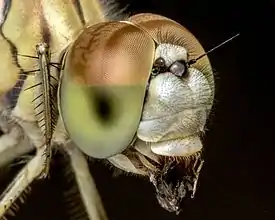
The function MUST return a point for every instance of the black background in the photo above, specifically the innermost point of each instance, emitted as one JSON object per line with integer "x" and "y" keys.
{"x": 237, "y": 181}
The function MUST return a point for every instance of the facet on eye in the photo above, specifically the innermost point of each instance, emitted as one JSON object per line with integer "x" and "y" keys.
{"x": 110, "y": 47}
{"x": 103, "y": 86}
{"x": 166, "y": 31}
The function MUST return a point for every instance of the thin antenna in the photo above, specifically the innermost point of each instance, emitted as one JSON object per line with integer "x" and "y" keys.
{"x": 211, "y": 50}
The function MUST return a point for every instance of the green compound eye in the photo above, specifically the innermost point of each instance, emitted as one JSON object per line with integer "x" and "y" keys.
{"x": 103, "y": 85}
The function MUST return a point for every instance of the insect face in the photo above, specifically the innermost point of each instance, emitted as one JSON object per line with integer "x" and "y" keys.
{"x": 116, "y": 96}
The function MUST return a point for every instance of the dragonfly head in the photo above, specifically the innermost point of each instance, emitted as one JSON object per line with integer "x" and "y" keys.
{"x": 138, "y": 81}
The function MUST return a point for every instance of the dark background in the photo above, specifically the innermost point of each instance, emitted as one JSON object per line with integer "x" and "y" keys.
{"x": 237, "y": 181}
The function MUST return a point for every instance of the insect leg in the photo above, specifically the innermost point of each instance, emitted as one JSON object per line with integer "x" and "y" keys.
{"x": 36, "y": 168}
{"x": 198, "y": 163}
{"x": 36, "y": 137}
{"x": 86, "y": 184}
{"x": 24, "y": 178}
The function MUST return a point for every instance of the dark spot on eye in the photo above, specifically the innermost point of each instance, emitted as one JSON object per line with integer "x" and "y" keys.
{"x": 103, "y": 107}
{"x": 1, "y": 132}
{"x": 179, "y": 68}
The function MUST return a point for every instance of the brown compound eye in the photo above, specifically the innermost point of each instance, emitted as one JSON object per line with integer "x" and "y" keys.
{"x": 166, "y": 31}
{"x": 103, "y": 86}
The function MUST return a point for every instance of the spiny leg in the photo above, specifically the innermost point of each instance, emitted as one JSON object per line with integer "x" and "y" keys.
{"x": 38, "y": 125}
{"x": 86, "y": 184}
{"x": 199, "y": 164}
{"x": 36, "y": 107}
{"x": 37, "y": 167}
{"x": 24, "y": 178}
{"x": 36, "y": 137}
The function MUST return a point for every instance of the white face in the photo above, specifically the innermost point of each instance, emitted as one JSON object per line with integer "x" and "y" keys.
{"x": 176, "y": 107}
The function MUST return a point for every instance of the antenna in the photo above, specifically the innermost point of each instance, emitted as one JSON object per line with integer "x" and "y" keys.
{"x": 211, "y": 50}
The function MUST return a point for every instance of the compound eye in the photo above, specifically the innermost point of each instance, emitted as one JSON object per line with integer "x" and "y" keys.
{"x": 166, "y": 31}
{"x": 103, "y": 85}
